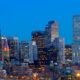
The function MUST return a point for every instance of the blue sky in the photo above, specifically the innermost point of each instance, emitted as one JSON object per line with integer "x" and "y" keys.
{"x": 21, "y": 17}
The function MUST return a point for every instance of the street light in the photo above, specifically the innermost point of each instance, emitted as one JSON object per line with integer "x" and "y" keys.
{"x": 35, "y": 76}
{"x": 23, "y": 77}
{"x": 11, "y": 76}
{"x": 78, "y": 75}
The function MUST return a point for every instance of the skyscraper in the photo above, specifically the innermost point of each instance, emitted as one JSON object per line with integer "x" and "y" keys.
{"x": 59, "y": 44}
{"x": 5, "y": 54}
{"x": 14, "y": 49}
{"x": 61, "y": 54}
{"x": 39, "y": 37}
{"x": 51, "y": 32}
{"x": 5, "y": 49}
{"x": 52, "y": 54}
{"x": 24, "y": 51}
{"x": 76, "y": 39}
{"x": 68, "y": 52}
{"x": 33, "y": 55}
{"x": 1, "y": 57}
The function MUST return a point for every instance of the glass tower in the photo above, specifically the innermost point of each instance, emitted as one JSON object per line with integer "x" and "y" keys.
{"x": 51, "y": 32}
{"x": 76, "y": 39}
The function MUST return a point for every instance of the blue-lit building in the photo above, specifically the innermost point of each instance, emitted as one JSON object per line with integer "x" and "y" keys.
{"x": 61, "y": 54}
{"x": 24, "y": 51}
{"x": 33, "y": 52}
{"x": 76, "y": 39}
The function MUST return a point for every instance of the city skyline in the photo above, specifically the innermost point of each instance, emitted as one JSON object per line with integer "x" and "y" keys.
{"x": 20, "y": 18}
{"x": 39, "y": 39}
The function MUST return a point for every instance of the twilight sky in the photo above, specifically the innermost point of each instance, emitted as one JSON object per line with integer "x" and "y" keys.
{"x": 21, "y": 17}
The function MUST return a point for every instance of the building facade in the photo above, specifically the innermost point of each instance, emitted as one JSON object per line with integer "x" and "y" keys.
{"x": 51, "y": 32}
{"x": 24, "y": 51}
{"x": 59, "y": 44}
{"x": 76, "y": 39}
{"x": 5, "y": 50}
{"x": 14, "y": 50}
{"x": 39, "y": 37}
{"x": 1, "y": 57}
{"x": 61, "y": 54}
{"x": 33, "y": 55}
{"x": 68, "y": 52}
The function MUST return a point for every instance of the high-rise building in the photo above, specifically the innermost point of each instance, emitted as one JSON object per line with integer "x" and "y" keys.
{"x": 38, "y": 36}
{"x": 51, "y": 32}
{"x": 33, "y": 55}
{"x": 1, "y": 57}
{"x": 24, "y": 51}
{"x": 52, "y": 54}
{"x": 59, "y": 44}
{"x": 5, "y": 54}
{"x": 14, "y": 49}
{"x": 5, "y": 50}
{"x": 76, "y": 39}
{"x": 61, "y": 54}
{"x": 68, "y": 52}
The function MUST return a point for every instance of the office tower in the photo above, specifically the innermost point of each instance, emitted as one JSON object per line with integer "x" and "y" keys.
{"x": 5, "y": 50}
{"x": 1, "y": 57}
{"x": 61, "y": 54}
{"x": 58, "y": 49}
{"x": 51, "y": 32}
{"x": 33, "y": 55}
{"x": 38, "y": 36}
{"x": 68, "y": 52}
{"x": 5, "y": 54}
{"x": 52, "y": 54}
{"x": 24, "y": 51}
{"x": 14, "y": 49}
{"x": 76, "y": 39}
{"x": 35, "y": 51}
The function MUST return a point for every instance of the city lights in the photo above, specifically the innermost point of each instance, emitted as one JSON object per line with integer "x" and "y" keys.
{"x": 78, "y": 74}
{"x": 46, "y": 56}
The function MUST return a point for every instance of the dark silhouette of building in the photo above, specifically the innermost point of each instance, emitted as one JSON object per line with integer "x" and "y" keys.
{"x": 39, "y": 37}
